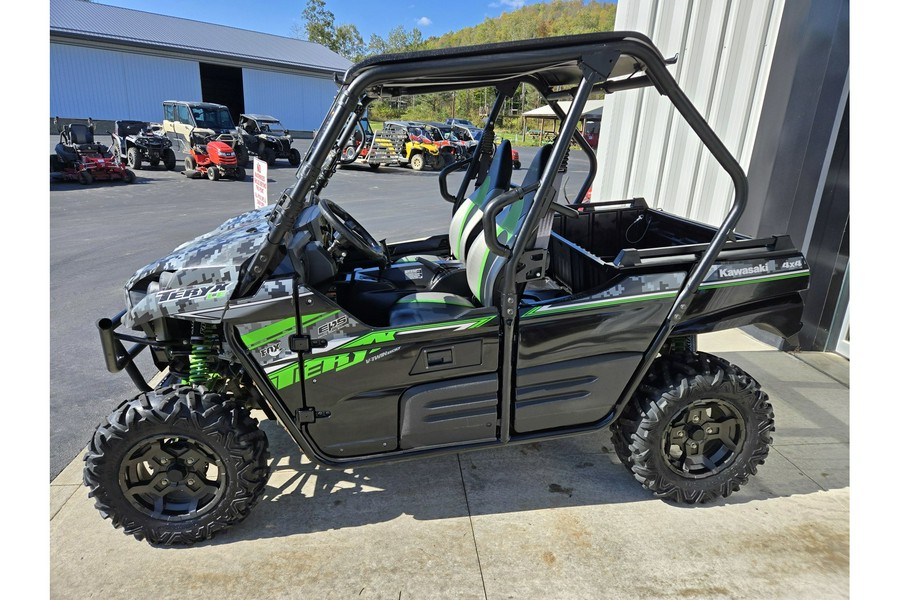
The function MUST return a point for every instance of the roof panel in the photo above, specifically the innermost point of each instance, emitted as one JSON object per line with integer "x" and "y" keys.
{"x": 91, "y": 21}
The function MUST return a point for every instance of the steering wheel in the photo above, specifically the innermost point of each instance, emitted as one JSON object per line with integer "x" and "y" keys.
{"x": 350, "y": 230}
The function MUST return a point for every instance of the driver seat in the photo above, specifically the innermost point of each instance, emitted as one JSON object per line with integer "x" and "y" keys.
{"x": 483, "y": 267}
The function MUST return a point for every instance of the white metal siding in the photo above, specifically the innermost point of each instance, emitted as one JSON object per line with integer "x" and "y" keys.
{"x": 106, "y": 84}
{"x": 724, "y": 53}
{"x": 299, "y": 101}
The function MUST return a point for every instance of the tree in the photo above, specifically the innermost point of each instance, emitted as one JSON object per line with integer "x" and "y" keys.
{"x": 319, "y": 27}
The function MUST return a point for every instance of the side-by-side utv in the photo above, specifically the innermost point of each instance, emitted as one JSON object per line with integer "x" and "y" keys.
{"x": 531, "y": 319}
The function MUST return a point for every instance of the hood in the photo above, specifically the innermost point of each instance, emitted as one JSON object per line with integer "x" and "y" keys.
{"x": 198, "y": 277}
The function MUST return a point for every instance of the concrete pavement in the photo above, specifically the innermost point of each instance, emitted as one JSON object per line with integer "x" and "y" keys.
{"x": 558, "y": 520}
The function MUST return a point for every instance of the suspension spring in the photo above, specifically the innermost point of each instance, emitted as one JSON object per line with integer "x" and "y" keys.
{"x": 204, "y": 345}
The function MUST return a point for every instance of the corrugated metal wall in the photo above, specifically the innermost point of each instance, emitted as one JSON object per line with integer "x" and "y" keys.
{"x": 106, "y": 84}
{"x": 646, "y": 149}
{"x": 299, "y": 101}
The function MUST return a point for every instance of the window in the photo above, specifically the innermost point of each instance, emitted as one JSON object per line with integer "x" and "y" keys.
{"x": 184, "y": 115}
{"x": 169, "y": 112}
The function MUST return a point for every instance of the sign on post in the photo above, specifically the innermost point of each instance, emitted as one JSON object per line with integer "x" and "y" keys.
{"x": 260, "y": 183}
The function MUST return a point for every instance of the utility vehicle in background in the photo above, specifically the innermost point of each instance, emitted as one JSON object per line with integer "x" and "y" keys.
{"x": 266, "y": 137}
{"x": 183, "y": 122}
{"x": 135, "y": 142}
{"x": 531, "y": 319}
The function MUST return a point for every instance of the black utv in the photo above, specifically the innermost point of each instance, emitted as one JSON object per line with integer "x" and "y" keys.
{"x": 137, "y": 142}
{"x": 266, "y": 137}
{"x": 533, "y": 318}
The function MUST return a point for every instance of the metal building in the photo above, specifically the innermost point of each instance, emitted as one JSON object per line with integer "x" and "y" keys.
{"x": 772, "y": 79}
{"x": 116, "y": 63}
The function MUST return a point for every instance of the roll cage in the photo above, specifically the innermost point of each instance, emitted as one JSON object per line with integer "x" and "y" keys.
{"x": 565, "y": 68}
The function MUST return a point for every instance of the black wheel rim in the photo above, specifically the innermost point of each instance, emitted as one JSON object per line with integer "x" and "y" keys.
{"x": 172, "y": 478}
{"x": 704, "y": 438}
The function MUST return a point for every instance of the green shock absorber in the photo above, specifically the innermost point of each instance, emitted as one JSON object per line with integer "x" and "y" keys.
{"x": 203, "y": 347}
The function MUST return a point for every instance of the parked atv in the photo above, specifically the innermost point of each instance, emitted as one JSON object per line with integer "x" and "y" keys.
{"x": 213, "y": 121}
{"x": 266, "y": 137}
{"x": 419, "y": 150}
{"x": 136, "y": 141}
{"x": 212, "y": 157}
{"x": 530, "y": 320}
{"x": 79, "y": 158}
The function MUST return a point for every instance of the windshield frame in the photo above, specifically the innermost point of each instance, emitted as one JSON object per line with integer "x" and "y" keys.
{"x": 200, "y": 115}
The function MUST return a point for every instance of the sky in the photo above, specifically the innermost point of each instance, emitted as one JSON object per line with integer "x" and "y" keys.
{"x": 277, "y": 16}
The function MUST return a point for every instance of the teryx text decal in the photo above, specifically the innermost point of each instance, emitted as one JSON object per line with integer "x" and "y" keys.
{"x": 200, "y": 291}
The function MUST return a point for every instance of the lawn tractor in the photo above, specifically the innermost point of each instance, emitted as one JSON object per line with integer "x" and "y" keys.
{"x": 212, "y": 156}
{"x": 135, "y": 142}
{"x": 79, "y": 158}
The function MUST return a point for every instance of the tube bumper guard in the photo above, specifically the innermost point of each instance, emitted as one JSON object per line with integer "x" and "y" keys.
{"x": 116, "y": 356}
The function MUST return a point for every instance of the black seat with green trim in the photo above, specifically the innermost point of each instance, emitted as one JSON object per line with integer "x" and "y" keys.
{"x": 466, "y": 222}
{"x": 483, "y": 266}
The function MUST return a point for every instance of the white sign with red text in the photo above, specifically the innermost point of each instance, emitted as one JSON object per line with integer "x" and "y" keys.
{"x": 260, "y": 183}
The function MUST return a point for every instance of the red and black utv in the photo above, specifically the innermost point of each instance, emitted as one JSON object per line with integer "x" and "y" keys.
{"x": 79, "y": 158}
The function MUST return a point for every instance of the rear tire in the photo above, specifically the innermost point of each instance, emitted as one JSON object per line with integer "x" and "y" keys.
{"x": 269, "y": 156}
{"x": 294, "y": 157}
{"x": 85, "y": 178}
{"x": 696, "y": 430}
{"x": 374, "y": 166}
{"x": 240, "y": 174}
{"x": 154, "y": 162}
{"x": 190, "y": 164}
{"x": 129, "y": 176}
{"x": 177, "y": 465}
{"x": 169, "y": 159}
{"x": 134, "y": 158}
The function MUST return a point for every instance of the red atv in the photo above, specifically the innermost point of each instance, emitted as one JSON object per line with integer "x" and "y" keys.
{"x": 214, "y": 158}
{"x": 79, "y": 158}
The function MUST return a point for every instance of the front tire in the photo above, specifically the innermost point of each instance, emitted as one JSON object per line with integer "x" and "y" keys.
{"x": 696, "y": 430}
{"x": 243, "y": 156}
{"x": 417, "y": 162}
{"x": 134, "y": 158}
{"x": 177, "y": 465}
{"x": 212, "y": 173}
{"x": 169, "y": 159}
